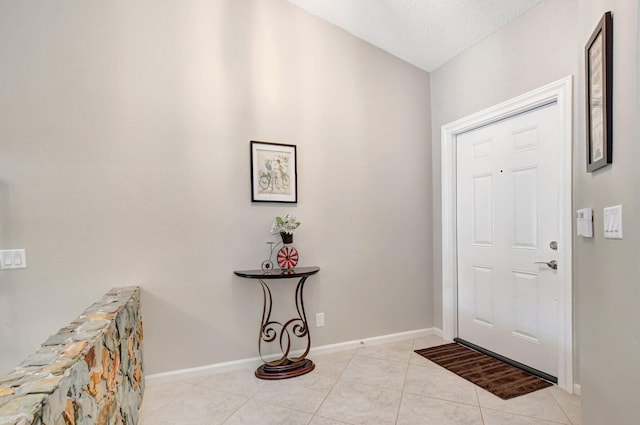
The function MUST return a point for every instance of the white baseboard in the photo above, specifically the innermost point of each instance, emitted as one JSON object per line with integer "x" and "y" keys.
{"x": 384, "y": 339}
{"x": 254, "y": 362}
{"x": 576, "y": 389}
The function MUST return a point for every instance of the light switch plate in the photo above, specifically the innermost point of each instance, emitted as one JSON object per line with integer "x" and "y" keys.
{"x": 13, "y": 259}
{"x": 613, "y": 222}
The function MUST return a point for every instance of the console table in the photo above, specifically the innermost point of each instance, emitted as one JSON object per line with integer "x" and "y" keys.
{"x": 270, "y": 330}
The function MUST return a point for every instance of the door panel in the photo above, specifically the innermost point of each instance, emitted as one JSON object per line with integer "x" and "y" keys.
{"x": 525, "y": 208}
{"x": 483, "y": 295}
{"x": 482, "y": 210}
{"x": 507, "y": 213}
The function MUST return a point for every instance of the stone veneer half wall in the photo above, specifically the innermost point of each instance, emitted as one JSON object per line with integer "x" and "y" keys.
{"x": 90, "y": 372}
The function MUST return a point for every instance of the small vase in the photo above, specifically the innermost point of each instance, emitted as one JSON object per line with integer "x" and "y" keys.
{"x": 286, "y": 237}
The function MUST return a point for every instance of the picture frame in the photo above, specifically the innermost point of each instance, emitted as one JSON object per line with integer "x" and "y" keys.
{"x": 599, "y": 85}
{"x": 274, "y": 174}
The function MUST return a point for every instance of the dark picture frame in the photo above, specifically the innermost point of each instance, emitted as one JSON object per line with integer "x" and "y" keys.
{"x": 599, "y": 85}
{"x": 274, "y": 173}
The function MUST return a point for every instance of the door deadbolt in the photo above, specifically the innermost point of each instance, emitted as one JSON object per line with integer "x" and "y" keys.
{"x": 553, "y": 245}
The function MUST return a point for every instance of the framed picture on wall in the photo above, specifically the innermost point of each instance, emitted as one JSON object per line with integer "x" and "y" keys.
{"x": 599, "y": 82}
{"x": 274, "y": 176}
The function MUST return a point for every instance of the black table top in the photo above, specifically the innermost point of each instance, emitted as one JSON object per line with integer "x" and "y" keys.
{"x": 278, "y": 274}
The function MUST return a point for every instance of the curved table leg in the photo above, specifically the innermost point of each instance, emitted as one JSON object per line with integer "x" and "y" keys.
{"x": 284, "y": 367}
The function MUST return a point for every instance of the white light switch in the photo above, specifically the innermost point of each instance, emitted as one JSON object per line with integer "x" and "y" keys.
{"x": 13, "y": 259}
{"x": 613, "y": 222}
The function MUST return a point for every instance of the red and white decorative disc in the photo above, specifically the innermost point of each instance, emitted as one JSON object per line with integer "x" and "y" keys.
{"x": 287, "y": 257}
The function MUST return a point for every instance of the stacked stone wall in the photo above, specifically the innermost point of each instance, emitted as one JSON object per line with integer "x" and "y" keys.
{"x": 90, "y": 372}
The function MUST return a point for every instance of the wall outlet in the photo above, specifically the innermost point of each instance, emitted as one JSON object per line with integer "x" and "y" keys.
{"x": 13, "y": 259}
{"x": 319, "y": 320}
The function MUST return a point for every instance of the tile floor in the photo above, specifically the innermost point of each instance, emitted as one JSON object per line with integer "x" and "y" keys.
{"x": 373, "y": 385}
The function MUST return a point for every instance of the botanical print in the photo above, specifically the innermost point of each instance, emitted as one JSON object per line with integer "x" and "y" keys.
{"x": 596, "y": 83}
{"x": 273, "y": 172}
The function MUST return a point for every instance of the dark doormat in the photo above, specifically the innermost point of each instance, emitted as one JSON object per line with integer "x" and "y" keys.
{"x": 499, "y": 378}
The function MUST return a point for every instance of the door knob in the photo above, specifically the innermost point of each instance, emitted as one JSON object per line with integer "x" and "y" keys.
{"x": 553, "y": 264}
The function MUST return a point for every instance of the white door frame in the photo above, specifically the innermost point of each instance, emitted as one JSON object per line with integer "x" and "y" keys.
{"x": 560, "y": 91}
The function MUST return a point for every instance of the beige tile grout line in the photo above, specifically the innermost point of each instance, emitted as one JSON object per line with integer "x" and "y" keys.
{"x": 475, "y": 388}
{"x": 404, "y": 383}
{"x": 331, "y": 390}
{"x": 561, "y": 408}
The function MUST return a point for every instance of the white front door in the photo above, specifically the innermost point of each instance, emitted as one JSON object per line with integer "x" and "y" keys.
{"x": 507, "y": 217}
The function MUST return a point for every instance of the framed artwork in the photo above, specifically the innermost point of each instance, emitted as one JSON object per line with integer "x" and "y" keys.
{"x": 274, "y": 176}
{"x": 599, "y": 84}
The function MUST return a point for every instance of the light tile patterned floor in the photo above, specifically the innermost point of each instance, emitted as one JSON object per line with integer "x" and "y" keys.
{"x": 373, "y": 385}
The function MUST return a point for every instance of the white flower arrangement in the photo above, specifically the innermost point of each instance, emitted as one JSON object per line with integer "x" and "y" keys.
{"x": 287, "y": 225}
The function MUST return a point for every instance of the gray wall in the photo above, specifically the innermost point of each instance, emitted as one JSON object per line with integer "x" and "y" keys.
{"x": 606, "y": 271}
{"x": 542, "y": 46}
{"x": 124, "y": 160}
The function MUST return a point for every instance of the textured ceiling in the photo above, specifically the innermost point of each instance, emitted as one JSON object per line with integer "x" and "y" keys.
{"x": 425, "y": 33}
